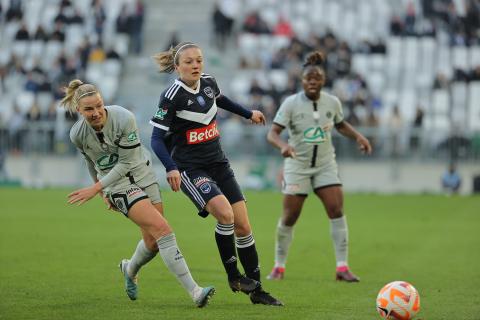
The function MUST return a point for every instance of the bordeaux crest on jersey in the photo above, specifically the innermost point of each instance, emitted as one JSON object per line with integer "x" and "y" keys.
{"x": 205, "y": 188}
{"x": 209, "y": 92}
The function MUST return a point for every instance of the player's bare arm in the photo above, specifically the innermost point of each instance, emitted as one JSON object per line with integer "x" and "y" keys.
{"x": 273, "y": 137}
{"x": 349, "y": 131}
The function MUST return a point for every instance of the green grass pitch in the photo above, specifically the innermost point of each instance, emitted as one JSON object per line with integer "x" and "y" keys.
{"x": 60, "y": 262}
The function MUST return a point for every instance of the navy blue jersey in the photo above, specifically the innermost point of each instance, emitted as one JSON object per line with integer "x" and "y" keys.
{"x": 189, "y": 117}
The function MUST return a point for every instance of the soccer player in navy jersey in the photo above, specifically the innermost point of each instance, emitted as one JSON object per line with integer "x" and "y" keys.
{"x": 196, "y": 163}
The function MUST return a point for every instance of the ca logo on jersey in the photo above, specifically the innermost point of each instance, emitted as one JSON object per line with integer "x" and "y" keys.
{"x": 108, "y": 161}
{"x": 161, "y": 113}
{"x": 132, "y": 136}
{"x": 314, "y": 135}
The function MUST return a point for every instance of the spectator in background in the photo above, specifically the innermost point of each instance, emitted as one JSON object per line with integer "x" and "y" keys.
{"x": 124, "y": 22}
{"x": 253, "y": 23}
{"x": 61, "y": 17}
{"x": 255, "y": 88}
{"x": 472, "y": 20}
{"x": 410, "y": 19}
{"x": 173, "y": 40}
{"x": 451, "y": 180}
{"x": 76, "y": 18}
{"x": 395, "y": 126}
{"x": 14, "y": 11}
{"x": 34, "y": 113}
{"x": 137, "y": 27}
{"x": 440, "y": 81}
{"x": 40, "y": 34}
{"x": 227, "y": 11}
{"x": 475, "y": 74}
{"x": 99, "y": 17}
{"x": 112, "y": 54}
{"x": 219, "y": 27}
{"x": 97, "y": 54}
{"x": 15, "y": 129}
{"x": 418, "y": 120}
{"x": 22, "y": 33}
{"x": 416, "y": 126}
{"x": 344, "y": 59}
{"x": 3, "y": 172}
{"x": 283, "y": 28}
{"x": 58, "y": 34}
{"x": 396, "y": 26}
{"x": 83, "y": 53}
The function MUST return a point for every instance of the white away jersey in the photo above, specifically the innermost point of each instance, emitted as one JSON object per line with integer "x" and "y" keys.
{"x": 115, "y": 152}
{"x": 310, "y": 132}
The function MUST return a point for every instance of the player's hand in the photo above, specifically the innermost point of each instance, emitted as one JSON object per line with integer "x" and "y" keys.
{"x": 81, "y": 196}
{"x": 364, "y": 145}
{"x": 288, "y": 152}
{"x": 174, "y": 179}
{"x": 257, "y": 117}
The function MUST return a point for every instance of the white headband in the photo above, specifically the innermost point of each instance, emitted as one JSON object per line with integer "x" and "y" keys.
{"x": 180, "y": 49}
{"x": 85, "y": 94}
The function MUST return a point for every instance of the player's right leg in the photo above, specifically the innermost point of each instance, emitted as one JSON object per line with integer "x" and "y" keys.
{"x": 146, "y": 249}
{"x": 205, "y": 194}
{"x": 292, "y": 207}
{"x": 147, "y": 217}
{"x": 220, "y": 208}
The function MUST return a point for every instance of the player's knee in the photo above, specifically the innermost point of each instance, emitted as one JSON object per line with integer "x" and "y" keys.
{"x": 335, "y": 211}
{"x": 242, "y": 230}
{"x": 159, "y": 227}
{"x": 225, "y": 216}
{"x": 290, "y": 217}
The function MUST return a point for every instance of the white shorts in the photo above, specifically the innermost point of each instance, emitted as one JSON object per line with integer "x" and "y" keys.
{"x": 123, "y": 199}
{"x": 301, "y": 180}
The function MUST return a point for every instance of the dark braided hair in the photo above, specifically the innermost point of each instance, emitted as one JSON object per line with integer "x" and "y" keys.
{"x": 315, "y": 58}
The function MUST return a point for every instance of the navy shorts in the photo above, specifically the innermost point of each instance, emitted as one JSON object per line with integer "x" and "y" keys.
{"x": 202, "y": 184}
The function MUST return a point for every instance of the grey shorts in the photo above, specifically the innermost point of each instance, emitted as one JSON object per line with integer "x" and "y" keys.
{"x": 298, "y": 180}
{"x": 127, "y": 196}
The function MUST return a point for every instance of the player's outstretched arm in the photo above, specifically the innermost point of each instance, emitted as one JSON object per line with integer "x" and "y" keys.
{"x": 81, "y": 196}
{"x": 275, "y": 140}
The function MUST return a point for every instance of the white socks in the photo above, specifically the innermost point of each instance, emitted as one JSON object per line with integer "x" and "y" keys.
{"x": 140, "y": 257}
{"x": 282, "y": 243}
{"x": 173, "y": 259}
{"x": 339, "y": 233}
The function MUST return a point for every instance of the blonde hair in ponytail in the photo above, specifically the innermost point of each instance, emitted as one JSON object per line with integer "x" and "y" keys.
{"x": 74, "y": 92}
{"x": 167, "y": 60}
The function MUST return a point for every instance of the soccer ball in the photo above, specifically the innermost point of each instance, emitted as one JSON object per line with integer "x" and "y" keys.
{"x": 398, "y": 300}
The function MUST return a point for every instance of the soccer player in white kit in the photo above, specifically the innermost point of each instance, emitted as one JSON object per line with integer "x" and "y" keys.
{"x": 310, "y": 117}
{"x": 120, "y": 166}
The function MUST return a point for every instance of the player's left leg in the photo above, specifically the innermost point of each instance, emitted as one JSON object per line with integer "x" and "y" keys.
{"x": 248, "y": 255}
{"x": 332, "y": 199}
{"x": 145, "y": 251}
